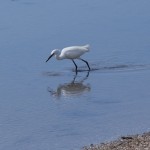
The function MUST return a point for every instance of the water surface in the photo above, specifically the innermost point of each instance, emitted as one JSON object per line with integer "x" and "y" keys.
{"x": 45, "y": 105}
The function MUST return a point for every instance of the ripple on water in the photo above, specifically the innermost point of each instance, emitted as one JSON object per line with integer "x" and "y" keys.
{"x": 52, "y": 74}
{"x": 103, "y": 68}
{"x": 124, "y": 67}
{"x": 114, "y": 67}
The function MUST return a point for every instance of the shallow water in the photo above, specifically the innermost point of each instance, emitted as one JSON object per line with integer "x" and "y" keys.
{"x": 46, "y": 105}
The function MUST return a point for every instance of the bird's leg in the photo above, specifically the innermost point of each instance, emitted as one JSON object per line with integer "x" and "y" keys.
{"x": 86, "y": 63}
{"x": 74, "y": 78}
{"x": 75, "y": 65}
{"x": 87, "y": 74}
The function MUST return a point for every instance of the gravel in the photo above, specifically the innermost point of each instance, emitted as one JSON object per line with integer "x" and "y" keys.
{"x": 132, "y": 142}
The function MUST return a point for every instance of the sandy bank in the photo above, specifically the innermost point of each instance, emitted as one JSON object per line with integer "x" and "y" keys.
{"x": 132, "y": 142}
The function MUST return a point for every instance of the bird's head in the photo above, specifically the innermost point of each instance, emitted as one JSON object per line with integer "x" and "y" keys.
{"x": 54, "y": 52}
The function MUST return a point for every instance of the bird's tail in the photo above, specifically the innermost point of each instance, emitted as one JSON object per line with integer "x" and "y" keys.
{"x": 87, "y": 46}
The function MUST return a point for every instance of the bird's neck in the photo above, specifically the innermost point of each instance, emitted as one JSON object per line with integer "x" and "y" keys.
{"x": 58, "y": 56}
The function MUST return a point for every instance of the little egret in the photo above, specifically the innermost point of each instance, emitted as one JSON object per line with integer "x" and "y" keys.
{"x": 72, "y": 52}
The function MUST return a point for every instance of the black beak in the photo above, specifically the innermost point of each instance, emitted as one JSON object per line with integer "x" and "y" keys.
{"x": 49, "y": 57}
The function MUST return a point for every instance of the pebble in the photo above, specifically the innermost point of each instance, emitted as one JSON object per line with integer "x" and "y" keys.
{"x": 132, "y": 142}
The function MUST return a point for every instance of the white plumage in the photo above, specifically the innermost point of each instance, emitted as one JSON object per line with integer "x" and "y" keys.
{"x": 72, "y": 52}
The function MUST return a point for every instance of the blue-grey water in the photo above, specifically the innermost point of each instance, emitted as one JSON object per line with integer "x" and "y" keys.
{"x": 44, "y": 106}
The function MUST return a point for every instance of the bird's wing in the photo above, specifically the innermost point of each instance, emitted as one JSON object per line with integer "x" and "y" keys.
{"x": 73, "y": 52}
{"x": 87, "y": 46}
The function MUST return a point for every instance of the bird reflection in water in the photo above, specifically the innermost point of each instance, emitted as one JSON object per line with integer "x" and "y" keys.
{"x": 73, "y": 88}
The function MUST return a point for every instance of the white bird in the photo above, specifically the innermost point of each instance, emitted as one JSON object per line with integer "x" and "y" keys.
{"x": 72, "y": 52}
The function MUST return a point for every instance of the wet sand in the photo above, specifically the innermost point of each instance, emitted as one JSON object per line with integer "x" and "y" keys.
{"x": 131, "y": 142}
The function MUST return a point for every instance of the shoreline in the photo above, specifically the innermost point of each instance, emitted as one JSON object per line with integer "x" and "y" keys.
{"x": 131, "y": 142}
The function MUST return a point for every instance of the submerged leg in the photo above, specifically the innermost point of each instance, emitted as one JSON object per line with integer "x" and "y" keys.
{"x": 75, "y": 65}
{"x": 86, "y": 63}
